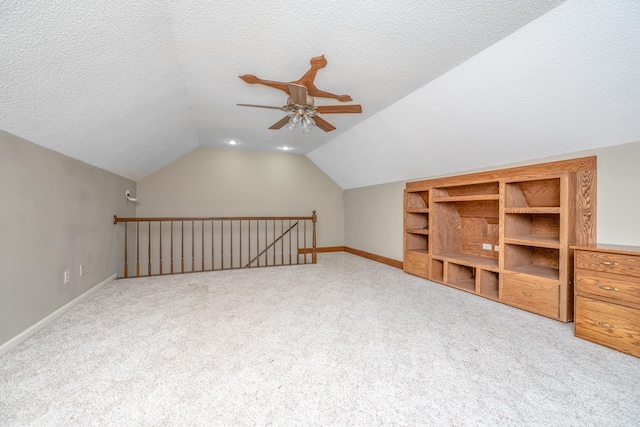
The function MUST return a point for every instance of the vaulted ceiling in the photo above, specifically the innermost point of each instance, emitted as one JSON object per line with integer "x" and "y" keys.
{"x": 445, "y": 86}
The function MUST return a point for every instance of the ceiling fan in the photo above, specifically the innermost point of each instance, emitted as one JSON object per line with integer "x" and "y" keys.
{"x": 300, "y": 104}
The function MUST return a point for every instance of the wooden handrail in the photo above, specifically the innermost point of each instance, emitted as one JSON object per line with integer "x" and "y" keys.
{"x": 117, "y": 219}
{"x": 229, "y": 243}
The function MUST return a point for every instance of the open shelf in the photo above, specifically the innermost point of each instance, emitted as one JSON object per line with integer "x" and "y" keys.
{"x": 467, "y": 198}
{"x": 417, "y": 201}
{"x": 533, "y": 210}
{"x": 418, "y": 230}
{"x": 490, "y": 190}
{"x": 535, "y": 261}
{"x": 541, "y": 230}
{"x": 419, "y": 251}
{"x": 536, "y": 193}
{"x": 488, "y": 284}
{"x": 418, "y": 210}
{"x": 469, "y": 260}
{"x": 437, "y": 270}
{"x": 462, "y": 276}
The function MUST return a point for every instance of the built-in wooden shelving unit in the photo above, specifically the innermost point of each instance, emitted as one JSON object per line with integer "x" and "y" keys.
{"x": 504, "y": 234}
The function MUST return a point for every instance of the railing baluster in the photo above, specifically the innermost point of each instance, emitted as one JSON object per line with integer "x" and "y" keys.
{"x": 126, "y": 267}
{"x": 289, "y": 243}
{"x": 160, "y": 247}
{"x": 266, "y": 242}
{"x": 149, "y": 249}
{"x": 257, "y": 240}
{"x": 297, "y": 245}
{"x": 222, "y": 244}
{"x": 193, "y": 248}
{"x": 182, "y": 248}
{"x": 282, "y": 243}
{"x": 240, "y": 243}
{"x": 171, "y": 247}
{"x": 274, "y": 238}
{"x": 305, "y": 241}
{"x": 202, "y": 241}
{"x": 213, "y": 266}
{"x": 231, "y": 242}
{"x": 314, "y": 253}
{"x": 137, "y": 249}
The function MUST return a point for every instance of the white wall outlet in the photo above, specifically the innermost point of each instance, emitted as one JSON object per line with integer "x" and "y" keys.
{"x": 496, "y": 248}
{"x": 486, "y": 246}
{"x": 66, "y": 277}
{"x": 82, "y": 269}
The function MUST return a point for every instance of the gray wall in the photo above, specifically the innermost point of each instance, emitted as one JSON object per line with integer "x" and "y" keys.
{"x": 374, "y": 216}
{"x": 229, "y": 182}
{"x": 56, "y": 214}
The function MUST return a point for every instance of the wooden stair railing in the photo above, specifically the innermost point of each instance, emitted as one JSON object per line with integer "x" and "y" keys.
{"x": 221, "y": 246}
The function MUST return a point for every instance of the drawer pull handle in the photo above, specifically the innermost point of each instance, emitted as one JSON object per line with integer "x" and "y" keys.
{"x": 527, "y": 294}
{"x": 608, "y": 263}
{"x": 606, "y": 325}
{"x": 607, "y": 288}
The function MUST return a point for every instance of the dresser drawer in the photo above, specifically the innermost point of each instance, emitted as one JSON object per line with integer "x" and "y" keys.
{"x": 535, "y": 294}
{"x": 416, "y": 263}
{"x": 597, "y": 285}
{"x": 608, "y": 324}
{"x": 608, "y": 262}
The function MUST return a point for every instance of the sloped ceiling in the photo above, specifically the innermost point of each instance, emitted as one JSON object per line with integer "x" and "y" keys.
{"x": 130, "y": 86}
{"x": 568, "y": 81}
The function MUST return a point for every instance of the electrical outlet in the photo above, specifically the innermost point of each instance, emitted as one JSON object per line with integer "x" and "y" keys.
{"x": 66, "y": 277}
{"x": 82, "y": 269}
{"x": 496, "y": 248}
{"x": 486, "y": 246}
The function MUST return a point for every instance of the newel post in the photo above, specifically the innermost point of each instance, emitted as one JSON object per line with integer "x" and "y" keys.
{"x": 314, "y": 254}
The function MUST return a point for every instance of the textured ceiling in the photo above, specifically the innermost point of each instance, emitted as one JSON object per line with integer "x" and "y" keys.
{"x": 132, "y": 86}
{"x": 569, "y": 81}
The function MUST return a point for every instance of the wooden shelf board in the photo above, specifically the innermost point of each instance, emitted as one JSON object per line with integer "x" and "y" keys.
{"x": 417, "y": 210}
{"x": 486, "y": 263}
{"x": 419, "y": 251}
{"x": 532, "y": 210}
{"x": 467, "y": 198}
{"x": 537, "y": 270}
{"x": 537, "y": 241}
{"x": 466, "y": 284}
{"x": 490, "y": 295}
{"x": 418, "y": 231}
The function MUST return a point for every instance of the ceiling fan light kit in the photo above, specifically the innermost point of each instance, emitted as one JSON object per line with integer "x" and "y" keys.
{"x": 300, "y": 104}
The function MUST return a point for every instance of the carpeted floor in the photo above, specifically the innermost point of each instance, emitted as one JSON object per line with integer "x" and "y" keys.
{"x": 344, "y": 342}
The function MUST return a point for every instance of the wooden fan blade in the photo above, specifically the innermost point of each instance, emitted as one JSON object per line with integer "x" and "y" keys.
{"x": 323, "y": 124}
{"x": 298, "y": 94}
{"x": 280, "y": 123}
{"x": 262, "y": 106}
{"x": 339, "y": 109}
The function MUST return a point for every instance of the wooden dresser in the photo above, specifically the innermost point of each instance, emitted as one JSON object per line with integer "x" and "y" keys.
{"x": 607, "y": 303}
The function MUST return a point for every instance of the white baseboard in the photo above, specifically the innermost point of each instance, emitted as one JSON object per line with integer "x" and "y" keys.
{"x": 6, "y": 347}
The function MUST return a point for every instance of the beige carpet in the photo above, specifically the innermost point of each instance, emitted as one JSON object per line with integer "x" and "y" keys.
{"x": 344, "y": 342}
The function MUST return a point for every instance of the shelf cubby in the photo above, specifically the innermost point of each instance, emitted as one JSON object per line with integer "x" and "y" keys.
{"x": 488, "y": 284}
{"x": 463, "y": 229}
{"x": 541, "y": 193}
{"x": 481, "y": 191}
{"x": 541, "y": 230}
{"x": 535, "y": 261}
{"x": 437, "y": 270}
{"x": 417, "y": 201}
{"x": 461, "y": 276}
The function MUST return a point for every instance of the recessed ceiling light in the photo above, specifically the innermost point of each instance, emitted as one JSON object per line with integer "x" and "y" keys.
{"x": 285, "y": 148}
{"x": 232, "y": 142}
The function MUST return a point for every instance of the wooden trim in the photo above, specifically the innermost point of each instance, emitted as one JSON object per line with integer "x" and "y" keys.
{"x": 302, "y": 251}
{"x": 116, "y": 219}
{"x": 374, "y": 257}
{"x": 526, "y": 172}
{"x": 378, "y": 258}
